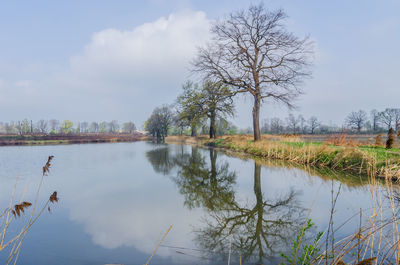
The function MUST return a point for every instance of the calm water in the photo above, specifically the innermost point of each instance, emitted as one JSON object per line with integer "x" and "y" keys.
{"x": 116, "y": 200}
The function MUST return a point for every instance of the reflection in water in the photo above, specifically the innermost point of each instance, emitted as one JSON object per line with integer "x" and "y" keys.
{"x": 255, "y": 230}
{"x": 161, "y": 160}
{"x": 118, "y": 199}
{"x": 210, "y": 186}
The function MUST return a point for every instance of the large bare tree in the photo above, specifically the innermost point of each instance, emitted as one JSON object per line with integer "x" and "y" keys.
{"x": 252, "y": 51}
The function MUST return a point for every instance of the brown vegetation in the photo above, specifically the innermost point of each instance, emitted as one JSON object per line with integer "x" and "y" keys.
{"x": 40, "y": 139}
{"x": 9, "y": 238}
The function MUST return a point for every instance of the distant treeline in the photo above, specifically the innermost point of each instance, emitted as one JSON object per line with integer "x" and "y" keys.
{"x": 54, "y": 126}
{"x": 175, "y": 123}
{"x": 356, "y": 122}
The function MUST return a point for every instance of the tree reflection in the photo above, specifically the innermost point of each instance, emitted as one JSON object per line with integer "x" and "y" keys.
{"x": 257, "y": 230}
{"x": 162, "y": 160}
{"x": 202, "y": 184}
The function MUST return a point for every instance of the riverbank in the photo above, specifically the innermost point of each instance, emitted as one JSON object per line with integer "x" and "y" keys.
{"x": 361, "y": 159}
{"x": 48, "y": 139}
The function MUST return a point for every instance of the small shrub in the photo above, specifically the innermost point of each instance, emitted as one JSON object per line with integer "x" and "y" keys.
{"x": 378, "y": 140}
{"x": 390, "y": 140}
{"x": 308, "y": 253}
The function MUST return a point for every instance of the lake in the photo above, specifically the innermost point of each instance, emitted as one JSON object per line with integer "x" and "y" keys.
{"x": 118, "y": 199}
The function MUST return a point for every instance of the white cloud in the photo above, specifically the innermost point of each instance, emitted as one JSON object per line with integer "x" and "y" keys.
{"x": 120, "y": 74}
{"x": 140, "y": 68}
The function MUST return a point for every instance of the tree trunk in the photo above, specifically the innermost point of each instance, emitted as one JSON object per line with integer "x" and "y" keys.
{"x": 193, "y": 133}
{"x": 256, "y": 118}
{"x": 213, "y": 133}
{"x": 259, "y": 207}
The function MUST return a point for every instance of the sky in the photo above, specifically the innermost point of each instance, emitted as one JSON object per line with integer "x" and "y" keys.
{"x": 99, "y": 60}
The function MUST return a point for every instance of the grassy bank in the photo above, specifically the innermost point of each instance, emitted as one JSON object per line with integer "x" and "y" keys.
{"x": 45, "y": 139}
{"x": 348, "y": 157}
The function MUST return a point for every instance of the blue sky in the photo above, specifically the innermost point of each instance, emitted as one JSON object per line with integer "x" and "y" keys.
{"x": 103, "y": 60}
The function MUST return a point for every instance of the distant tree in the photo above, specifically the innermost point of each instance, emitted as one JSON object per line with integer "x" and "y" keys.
{"x": 54, "y": 124}
{"x": 78, "y": 128}
{"x": 374, "y": 120}
{"x": 292, "y": 123}
{"x": 42, "y": 126}
{"x": 128, "y": 127}
{"x": 253, "y": 53}
{"x": 396, "y": 118}
{"x": 356, "y": 120}
{"x": 302, "y": 124}
{"x": 189, "y": 109}
{"x": 179, "y": 123}
{"x": 276, "y": 125}
{"x": 387, "y": 117}
{"x": 66, "y": 126}
{"x": 313, "y": 124}
{"x": 10, "y": 128}
{"x": 84, "y": 127}
{"x": 265, "y": 128}
{"x": 113, "y": 126}
{"x": 104, "y": 127}
{"x": 23, "y": 127}
{"x": 215, "y": 102}
{"x": 159, "y": 122}
{"x": 94, "y": 127}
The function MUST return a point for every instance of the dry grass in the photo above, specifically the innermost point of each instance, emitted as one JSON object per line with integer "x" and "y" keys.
{"x": 377, "y": 239}
{"x": 11, "y": 240}
{"x": 337, "y": 154}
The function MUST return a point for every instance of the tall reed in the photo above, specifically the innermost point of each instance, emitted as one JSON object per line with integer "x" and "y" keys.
{"x": 12, "y": 241}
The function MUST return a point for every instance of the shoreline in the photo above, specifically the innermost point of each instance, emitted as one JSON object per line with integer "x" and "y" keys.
{"x": 358, "y": 160}
{"x": 59, "y": 139}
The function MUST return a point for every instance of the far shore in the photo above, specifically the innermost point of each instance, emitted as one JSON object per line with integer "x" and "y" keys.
{"x": 56, "y": 139}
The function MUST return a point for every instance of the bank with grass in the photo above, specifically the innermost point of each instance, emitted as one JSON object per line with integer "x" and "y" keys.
{"x": 357, "y": 159}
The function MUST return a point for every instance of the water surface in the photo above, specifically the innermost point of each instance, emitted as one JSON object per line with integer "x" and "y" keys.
{"x": 117, "y": 199}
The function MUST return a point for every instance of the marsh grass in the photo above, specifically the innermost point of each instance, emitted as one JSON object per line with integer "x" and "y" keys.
{"x": 376, "y": 240}
{"x": 10, "y": 239}
{"x": 336, "y": 154}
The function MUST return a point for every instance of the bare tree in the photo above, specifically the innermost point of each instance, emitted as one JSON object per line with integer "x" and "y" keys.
{"x": 276, "y": 125}
{"x": 313, "y": 123}
{"x": 84, "y": 127}
{"x": 42, "y": 126}
{"x": 113, "y": 126}
{"x": 356, "y": 120}
{"x": 254, "y": 53}
{"x": 94, "y": 127}
{"x": 387, "y": 117}
{"x": 375, "y": 120}
{"x": 396, "y": 118}
{"x": 265, "y": 126}
{"x": 128, "y": 127}
{"x": 54, "y": 125}
{"x": 292, "y": 123}
{"x": 302, "y": 124}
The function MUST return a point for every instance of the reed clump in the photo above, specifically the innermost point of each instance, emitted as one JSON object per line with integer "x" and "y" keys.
{"x": 334, "y": 154}
{"x": 375, "y": 240}
{"x": 391, "y": 139}
{"x": 11, "y": 239}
